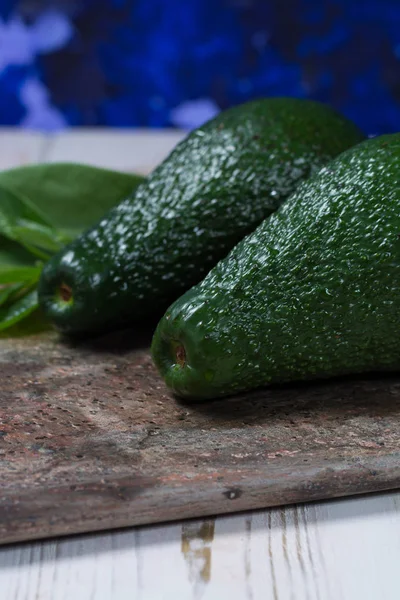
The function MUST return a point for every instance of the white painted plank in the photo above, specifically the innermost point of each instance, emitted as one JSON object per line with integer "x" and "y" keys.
{"x": 342, "y": 550}
{"x": 162, "y": 571}
{"x": 21, "y": 147}
{"x": 358, "y": 541}
{"x": 127, "y": 150}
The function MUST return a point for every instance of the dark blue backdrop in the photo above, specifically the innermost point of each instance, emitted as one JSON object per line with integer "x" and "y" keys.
{"x": 163, "y": 63}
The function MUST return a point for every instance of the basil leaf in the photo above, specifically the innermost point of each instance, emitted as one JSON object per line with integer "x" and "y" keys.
{"x": 12, "y": 253}
{"x": 34, "y": 234}
{"x": 72, "y": 196}
{"x": 30, "y": 324}
{"x": 17, "y": 311}
{"x": 15, "y": 209}
{"x": 45, "y": 256}
{"x": 15, "y": 274}
{"x": 7, "y": 292}
{"x": 42, "y": 207}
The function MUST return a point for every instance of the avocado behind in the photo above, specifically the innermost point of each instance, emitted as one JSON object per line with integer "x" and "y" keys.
{"x": 213, "y": 189}
{"x": 313, "y": 292}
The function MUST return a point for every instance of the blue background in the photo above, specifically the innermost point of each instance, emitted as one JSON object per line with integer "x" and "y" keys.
{"x": 163, "y": 63}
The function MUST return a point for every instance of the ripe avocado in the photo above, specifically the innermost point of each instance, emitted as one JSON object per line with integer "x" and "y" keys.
{"x": 213, "y": 189}
{"x": 313, "y": 292}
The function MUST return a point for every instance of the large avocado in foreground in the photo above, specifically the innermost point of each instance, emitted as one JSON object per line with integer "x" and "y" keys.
{"x": 313, "y": 292}
{"x": 213, "y": 189}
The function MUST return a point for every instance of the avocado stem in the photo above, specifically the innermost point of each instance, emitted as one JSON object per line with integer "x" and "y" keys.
{"x": 180, "y": 355}
{"x": 65, "y": 292}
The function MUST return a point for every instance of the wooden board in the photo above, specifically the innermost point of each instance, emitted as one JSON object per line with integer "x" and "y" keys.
{"x": 90, "y": 439}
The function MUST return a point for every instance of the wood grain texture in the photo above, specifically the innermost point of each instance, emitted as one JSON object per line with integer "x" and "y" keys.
{"x": 337, "y": 550}
{"x": 91, "y": 439}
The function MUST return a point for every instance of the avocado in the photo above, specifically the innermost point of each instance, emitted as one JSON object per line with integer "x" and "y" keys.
{"x": 313, "y": 292}
{"x": 213, "y": 189}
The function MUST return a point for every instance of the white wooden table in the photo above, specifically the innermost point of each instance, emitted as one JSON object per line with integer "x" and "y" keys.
{"x": 347, "y": 549}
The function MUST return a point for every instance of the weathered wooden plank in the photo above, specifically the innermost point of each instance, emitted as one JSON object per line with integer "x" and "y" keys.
{"x": 90, "y": 439}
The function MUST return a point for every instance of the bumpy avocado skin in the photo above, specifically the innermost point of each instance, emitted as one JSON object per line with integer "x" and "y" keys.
{"x": 213, "y": 189}
{"x": 313, "y": 292}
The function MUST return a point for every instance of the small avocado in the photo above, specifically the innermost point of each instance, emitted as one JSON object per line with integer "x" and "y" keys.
{"x": 313, "y": 292}
{"x": 213, "y": 189}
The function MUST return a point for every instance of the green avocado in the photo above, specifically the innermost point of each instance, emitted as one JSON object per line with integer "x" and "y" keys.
{"x": 313, "y": 292}
{"x": 213, "y": 189}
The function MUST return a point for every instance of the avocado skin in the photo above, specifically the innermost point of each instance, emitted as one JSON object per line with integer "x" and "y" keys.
{"x": 313, "y": 292}
{"x": 213, "y": 189}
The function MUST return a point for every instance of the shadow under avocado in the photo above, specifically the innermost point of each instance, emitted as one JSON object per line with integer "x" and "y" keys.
{"x": 118, "y": 341}
{"x": 373, "y": 394}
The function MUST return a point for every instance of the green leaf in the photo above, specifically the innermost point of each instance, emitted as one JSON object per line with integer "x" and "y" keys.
{"x": 42, "y": 207}
{"x": 31, "y": 324}
{"x": 71, "y": 196}
{"x": 12, "y": 253}
{"x": 17, "y": 274}
{"x": 35, "y": 234}
{"x": 15, "y": 209}
{"x": 21, "y": 222}
{"x": 21, "y": 308}
{"x": 7, "y": 292}
{"x": 45, "y": 256}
